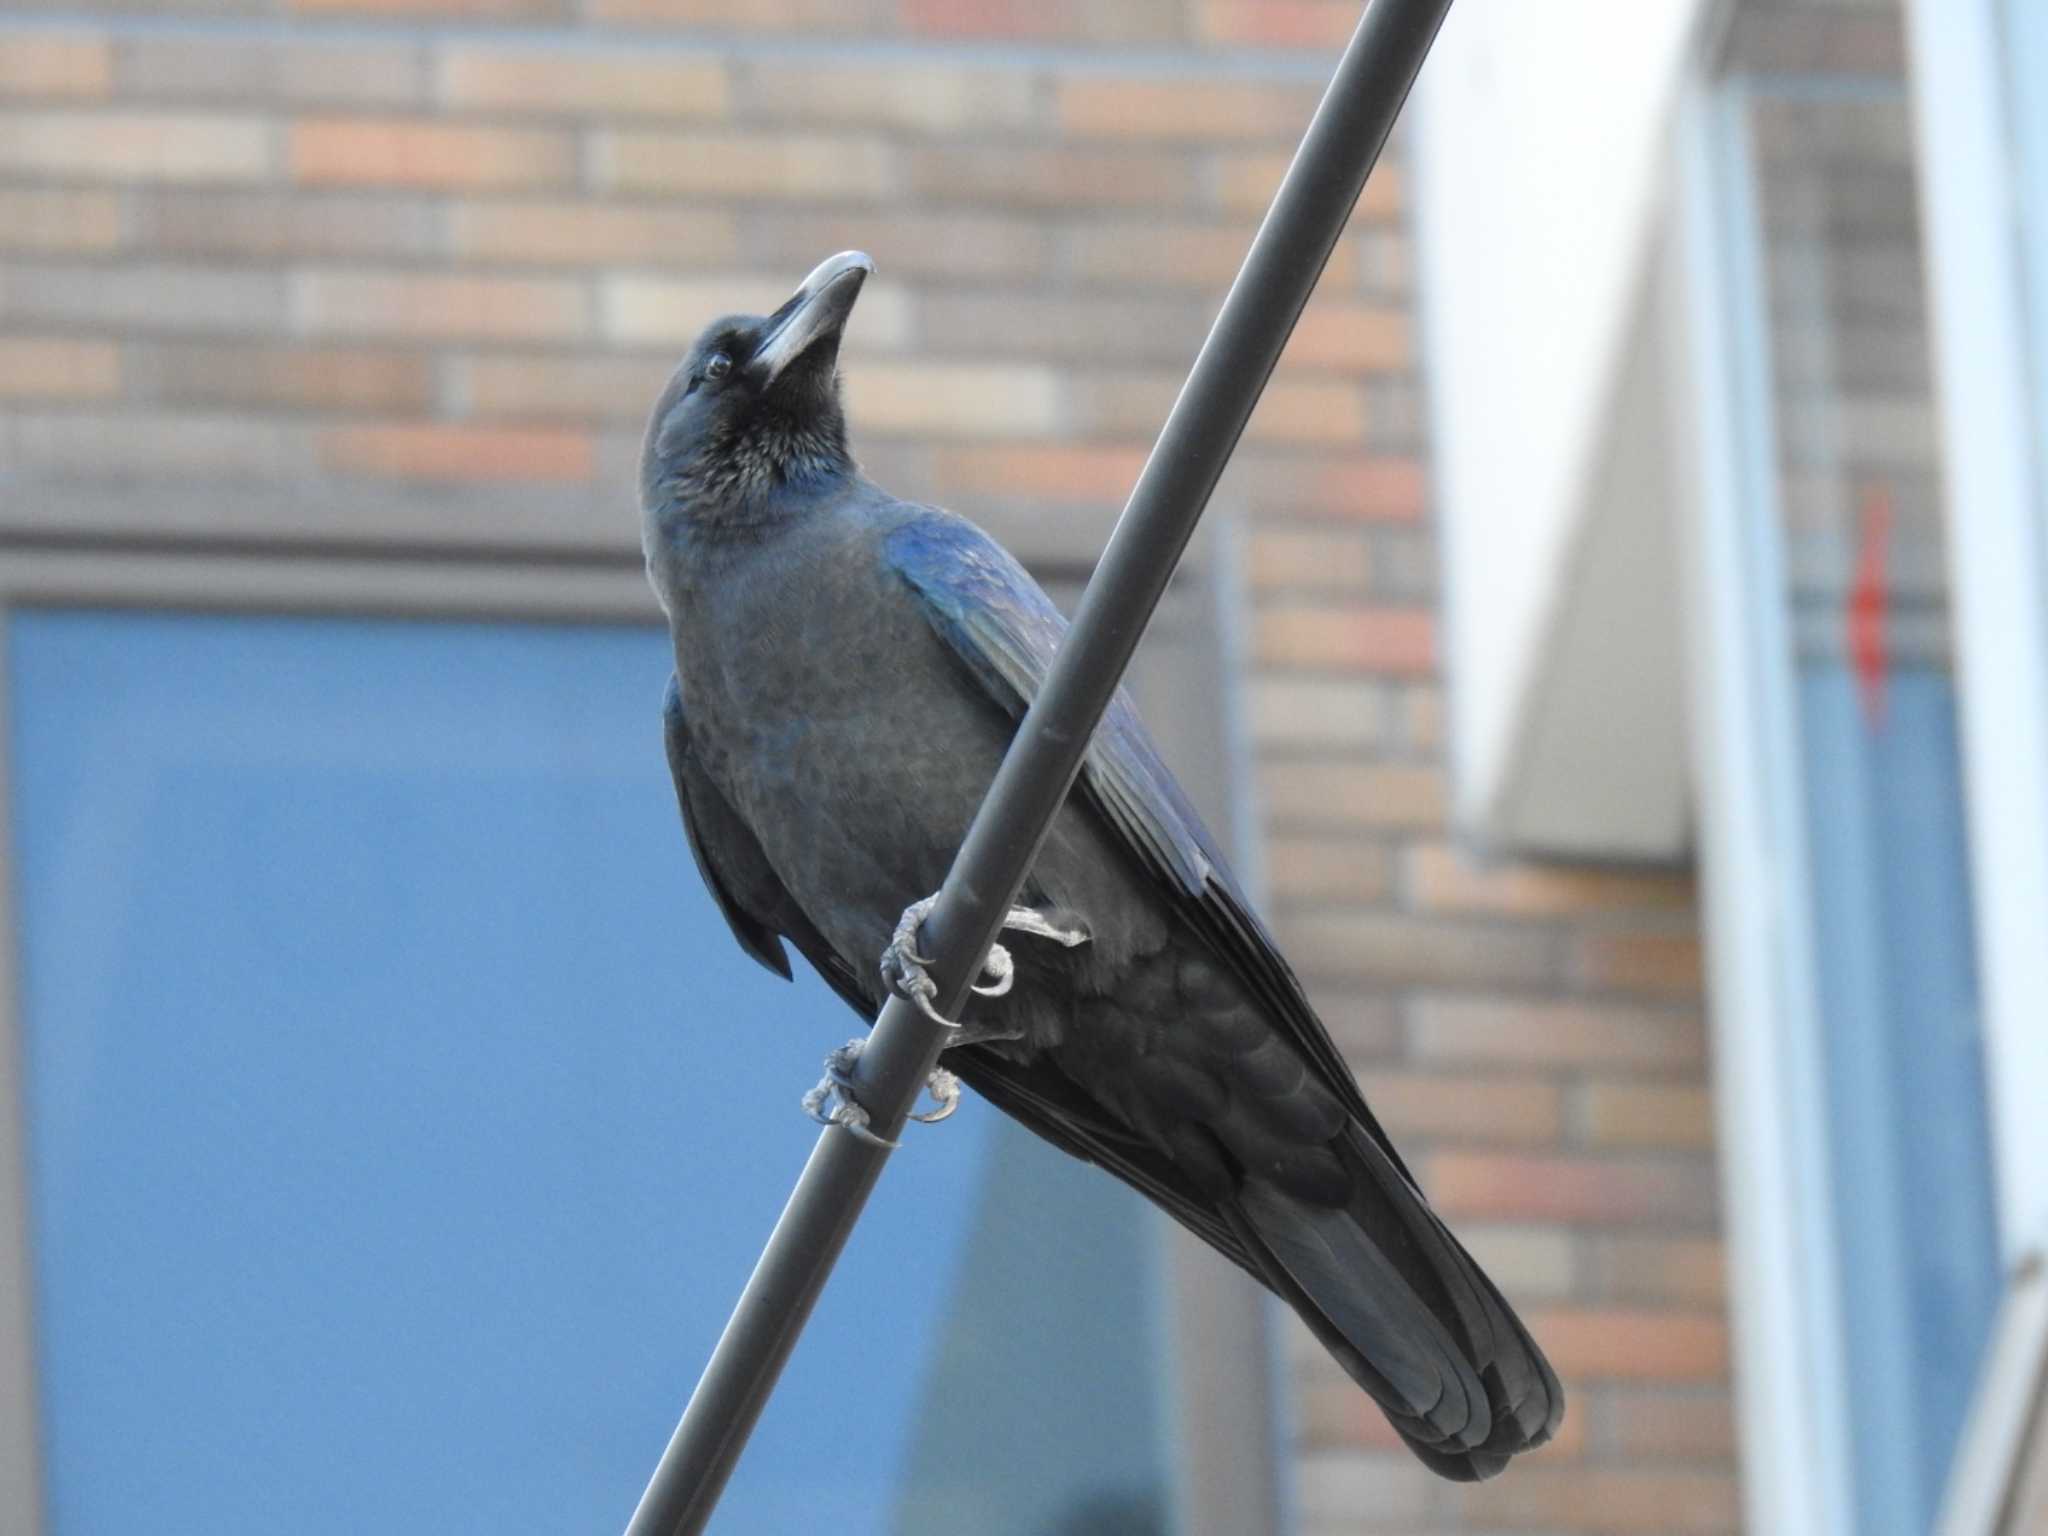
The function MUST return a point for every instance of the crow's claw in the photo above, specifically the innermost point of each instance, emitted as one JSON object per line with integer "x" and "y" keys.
{"x": 832, "y": 1101}
{"x": 904, "y": 968}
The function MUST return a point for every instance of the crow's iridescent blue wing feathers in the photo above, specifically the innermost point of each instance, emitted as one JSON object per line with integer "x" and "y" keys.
{"x": 1006, "y": 630}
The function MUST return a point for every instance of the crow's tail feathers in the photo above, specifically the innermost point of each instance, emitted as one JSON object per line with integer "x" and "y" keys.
{"x": 1391, "y": 1294}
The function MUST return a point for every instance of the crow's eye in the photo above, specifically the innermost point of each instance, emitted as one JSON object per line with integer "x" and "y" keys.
{"x": 717, "y": 366}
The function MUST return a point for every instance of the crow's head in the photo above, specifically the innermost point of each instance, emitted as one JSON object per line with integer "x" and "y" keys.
{"x": 754, "y": 409}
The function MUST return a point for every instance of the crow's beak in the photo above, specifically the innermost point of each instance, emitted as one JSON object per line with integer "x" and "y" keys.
{"x": 816, "y": 311}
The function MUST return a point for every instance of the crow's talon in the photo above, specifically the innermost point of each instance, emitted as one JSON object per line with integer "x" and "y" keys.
{"x": 999, "y": 967}
{"x": 832, "y": 1102}
{"x": 903, "y": 967}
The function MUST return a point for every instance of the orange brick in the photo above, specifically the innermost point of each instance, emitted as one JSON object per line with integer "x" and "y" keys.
{"x": 1649, "y": 1422}
{"x": 1647, "y": 1115}
{"x": 956, "y": 246}
{"x": 1362, "y": 1023}
{"x": 54, "y": 64}
{"x": 1122, "y": 405}
{"x": 1592, "y": 1191}
{"x": 146, "y": 297}
{"x": 1483, "y": 1029}
{"x": 1182, "y": 110}
{"x": 422, "y": 152}
{"x": 535, "y": 388}
{"x": 645, "y": 310}
{"x": 1386, "y": 263}
{"x": 439, "y": 452}
{"x": 592, "y": 234}
{"x": 266, "y": 377}
{"x": 1376, "y": 489}
{"x": 57, "y": 368}
{"x": 476, "y": 10}
{"x": 1617, "y": 1344}
{"x": 1060, "y": 178}
{"x": 1385, "y": 949}
{"x": 1368, "y": 337}
{"x": 1442, "y": 878}
{"x": 262, "y": 225}
{"x": 52, "y": 220}
{"x": 1348, "y": 870}
{"x": 1245, "y": 183}
{"x": 1308, "y": 559}
{"x": 832, "y": 168}
{"x": 1421, "y": 713}
{"x": 1087, "y": 20}
{"x": 1089, "y": 329}
{"x": 1526, "y": 1262}
{"x": 1369, "y": 488}
{"x": 1325, "y": 24}
{"x": 249, "y": 65}
{"x": 1315, "y": 712}
{"x": 1348, "y": 793}
{"x": 1058, "y": 473}
{"x": 811, "y": 17}
{"x": 1639, "y": 962}
{"x": 599, "y": 82}
{"x": 1152, "y": 253}
{"x": 1308, "y": 411}
{"x": 1605, "y": 1501}
{"x": 1631, "y": 1268}
{"x": 1397, "y": 641}
{"x": 932, "y": 399}
{"x": 1516, "y": 1111}
{"x": 926, "y": 96}
{"x": 148, "y": 447}
{"x": 420, "y": 304}
{"x": 135, "y": 146}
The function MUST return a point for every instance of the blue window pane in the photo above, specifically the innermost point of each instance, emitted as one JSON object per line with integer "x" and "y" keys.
{"x": 1905, "y": 1062}
{"x": 402, "y": 1122}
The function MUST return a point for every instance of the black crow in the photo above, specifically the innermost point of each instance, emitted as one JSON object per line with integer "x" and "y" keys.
{"x": 849, "y": 670}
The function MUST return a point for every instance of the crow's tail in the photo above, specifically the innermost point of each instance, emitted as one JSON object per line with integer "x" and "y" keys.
{"x": 1391, "y": 1294}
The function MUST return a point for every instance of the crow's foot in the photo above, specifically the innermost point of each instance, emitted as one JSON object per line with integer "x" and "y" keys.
{"x": 904, "y": 969}
{"x": 832, "y": 1101}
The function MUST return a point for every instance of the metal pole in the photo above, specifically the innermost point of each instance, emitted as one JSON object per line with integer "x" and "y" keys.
{"x": 1308, "y": 214}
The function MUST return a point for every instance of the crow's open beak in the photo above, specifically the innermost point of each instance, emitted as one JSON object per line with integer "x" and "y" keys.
{"x": 817, "y": 310}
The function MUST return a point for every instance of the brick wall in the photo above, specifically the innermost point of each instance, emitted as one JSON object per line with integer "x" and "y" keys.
{"x": 391, "y": 248}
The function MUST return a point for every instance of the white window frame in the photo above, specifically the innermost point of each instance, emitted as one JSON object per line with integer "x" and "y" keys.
{"x": 1997, "y": 493}
{"x": 1996, "y": 566}
{"x": 1770, "y": 1085}
{"x": 1770, "y": 1090}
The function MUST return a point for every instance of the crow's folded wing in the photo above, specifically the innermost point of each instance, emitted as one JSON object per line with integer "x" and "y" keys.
{"x": 756, "y": 904}
{"x": 762, "y": 914}
{"x": 1006, "y": 631}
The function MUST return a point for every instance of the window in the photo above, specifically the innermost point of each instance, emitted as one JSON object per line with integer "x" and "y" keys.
{"x": 400, "y": 1122}
{"x": 1860, "y": 515}
{"x": 2026, "y": 62}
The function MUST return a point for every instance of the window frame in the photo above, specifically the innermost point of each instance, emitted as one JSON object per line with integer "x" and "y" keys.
{"x": 544, "y": 556}
{"x": 1770, "y": 1079}
{"x": 1770, "y": 1091}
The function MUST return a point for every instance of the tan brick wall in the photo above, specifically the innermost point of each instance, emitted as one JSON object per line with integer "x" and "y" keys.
{"x": 257, "y": 242}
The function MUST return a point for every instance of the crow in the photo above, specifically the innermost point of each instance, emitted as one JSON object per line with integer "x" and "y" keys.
{"x": 849, "y": 670}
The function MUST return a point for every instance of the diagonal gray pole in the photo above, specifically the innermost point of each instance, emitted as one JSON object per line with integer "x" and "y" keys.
{"x": 1308, "y": 214}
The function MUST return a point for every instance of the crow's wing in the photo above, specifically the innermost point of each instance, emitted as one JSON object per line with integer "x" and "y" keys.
{"x": 1003, "y": 626}
{"x": 1379, "y": 1279}
{"x": 756, "y": 904}
{"x": 762, "y": 914}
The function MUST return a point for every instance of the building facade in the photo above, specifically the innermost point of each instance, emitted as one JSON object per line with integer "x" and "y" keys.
{"x": 361, "y": 1009}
